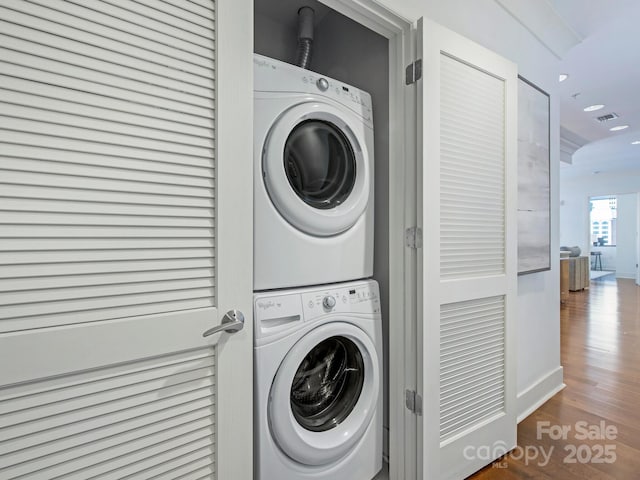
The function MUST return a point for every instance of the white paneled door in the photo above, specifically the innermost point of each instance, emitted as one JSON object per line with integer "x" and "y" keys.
{"x": 125, "y": 234}
{"x": 467, "y": 126}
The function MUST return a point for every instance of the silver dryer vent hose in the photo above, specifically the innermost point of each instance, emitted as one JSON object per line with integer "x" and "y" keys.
{"x": 305, "y": 37}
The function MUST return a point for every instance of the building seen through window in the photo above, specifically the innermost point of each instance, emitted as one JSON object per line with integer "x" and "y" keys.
{"x": 604, "y": 216}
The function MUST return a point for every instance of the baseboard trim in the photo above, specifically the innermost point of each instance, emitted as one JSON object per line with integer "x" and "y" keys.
{"x": 630, "y": 275}
{"x": 535, "y": 395}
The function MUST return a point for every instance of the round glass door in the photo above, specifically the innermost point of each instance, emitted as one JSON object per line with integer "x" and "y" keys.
{"x": 316, "y": 168}
{"x": 327, "y": 384}
{"x": 320, "y": 164}
{"x": 324, "y": 394}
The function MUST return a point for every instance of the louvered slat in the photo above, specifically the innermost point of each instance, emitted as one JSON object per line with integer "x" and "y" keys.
{"x": 198, "y": 8}
{"x": 79, "y": 119}
{"x": 71, "y": 133}
{"x": 107, "y": 160}
{"x": 153, "y": 69}
{"x": 130, "y": 110}
{"x": 203, "y": 3}
{"x": 149, "y": 27}
{"x": 90, "y": 196}
{"x": 472, "y": 363}
{"x": 198, "y": 462}
{"x": 82, "y": 17}
{"x": 177, "y": 9}
{"x": 77, "y": 167}
{"x": 112, "y": 422}
{"x": 80, "y": 37}
{"x": 38, "y": 69}
{"x": 163, "y": 18}
{"x": 471, "y": 172}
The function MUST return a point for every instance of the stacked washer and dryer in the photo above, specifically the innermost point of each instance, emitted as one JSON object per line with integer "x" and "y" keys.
{"x": 318, "y": 335}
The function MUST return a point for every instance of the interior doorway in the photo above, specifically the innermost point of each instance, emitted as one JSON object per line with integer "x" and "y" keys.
{"x": 613, "y": 229}
{"x": 362, "y": 44}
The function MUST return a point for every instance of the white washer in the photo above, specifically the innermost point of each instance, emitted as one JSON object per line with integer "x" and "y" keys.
{"x": 318, "y": 383}
{"x": 313, "y": 178}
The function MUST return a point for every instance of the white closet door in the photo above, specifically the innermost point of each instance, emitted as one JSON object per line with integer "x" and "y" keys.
{"x": 123, "y": 146}
{"x": 467, "y": 109}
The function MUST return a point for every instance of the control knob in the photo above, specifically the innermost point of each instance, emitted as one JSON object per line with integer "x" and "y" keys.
{"x": 328, "y": 302}
{"x": 322, "y": 84}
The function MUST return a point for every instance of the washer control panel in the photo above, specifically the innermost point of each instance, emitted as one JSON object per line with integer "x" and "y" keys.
{"x": 354, "y": 298}
{"x": 277, "y": 314}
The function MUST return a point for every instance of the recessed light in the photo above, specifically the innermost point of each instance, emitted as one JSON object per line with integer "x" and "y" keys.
{"x": 562, "y": 77}
{"x": 593, "y": 108}
{"x": 637, "y": 142}
{"x": 619, "y": 127}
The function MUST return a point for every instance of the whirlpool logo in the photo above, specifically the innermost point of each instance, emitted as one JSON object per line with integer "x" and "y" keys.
{"x": 263, "y": 64}
{"x": 267, "y": 304}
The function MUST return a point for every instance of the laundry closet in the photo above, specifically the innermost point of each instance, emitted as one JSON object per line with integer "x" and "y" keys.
{"x": 343, "y": 50}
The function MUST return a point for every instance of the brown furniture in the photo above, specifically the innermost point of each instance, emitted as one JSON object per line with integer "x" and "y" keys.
{"x": 578, "y": 273}
{"x": 564, "y": 279}
{"x": 574, "y": 275}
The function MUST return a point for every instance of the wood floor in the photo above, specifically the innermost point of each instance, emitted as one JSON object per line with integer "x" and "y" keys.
{"x": 600, "y": 353}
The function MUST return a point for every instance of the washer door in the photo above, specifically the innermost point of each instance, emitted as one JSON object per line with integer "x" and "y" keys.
{"x": 324, "y": 394}
{"x": 315, "y": 169}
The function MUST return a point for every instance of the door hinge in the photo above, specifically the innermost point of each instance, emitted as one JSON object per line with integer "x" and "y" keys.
{"x": 413, "y": 72}
{"x": 413, "y": 237}
{"x": 413, "y": 401}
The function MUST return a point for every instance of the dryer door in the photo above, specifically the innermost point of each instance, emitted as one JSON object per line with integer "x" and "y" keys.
{"x": 316, "y": 168}
{"x": 324, "y": 394}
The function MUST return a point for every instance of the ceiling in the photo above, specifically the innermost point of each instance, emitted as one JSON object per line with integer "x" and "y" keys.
{"x": 603, "y": 69}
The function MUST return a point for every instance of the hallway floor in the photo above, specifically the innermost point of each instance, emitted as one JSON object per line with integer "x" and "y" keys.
{"x": 600, "y": 350}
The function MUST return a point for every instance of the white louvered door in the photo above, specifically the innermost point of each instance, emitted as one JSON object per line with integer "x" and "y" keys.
{"x": 125, "y": 233}
{"x": 468, "y": 183}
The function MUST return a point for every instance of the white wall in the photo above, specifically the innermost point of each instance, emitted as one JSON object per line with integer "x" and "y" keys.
{"x": 574, "y": 217}
{"x": 487, "y": 23}
{"x": 626, "y": 235}
{"x": 274, "y": 39}
{"x": 638, "y": 240}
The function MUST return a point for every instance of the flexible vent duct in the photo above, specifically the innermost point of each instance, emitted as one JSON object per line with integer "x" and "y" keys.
{"x": 305, "y": 37}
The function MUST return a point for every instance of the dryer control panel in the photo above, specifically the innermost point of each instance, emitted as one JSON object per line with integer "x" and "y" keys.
{"x": 275, "y": 76}
{"x": 277, "y": 313}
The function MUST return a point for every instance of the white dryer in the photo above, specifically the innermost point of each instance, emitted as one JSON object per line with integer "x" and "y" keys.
{"x": 318, "y": 383}
{"x": 313, "y": 178}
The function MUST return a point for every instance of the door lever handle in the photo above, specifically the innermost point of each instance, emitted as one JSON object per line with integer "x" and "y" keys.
{"x": 233, "y": 321}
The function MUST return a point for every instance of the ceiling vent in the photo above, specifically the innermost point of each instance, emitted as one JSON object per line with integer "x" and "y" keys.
{"x": 607, "y": 117}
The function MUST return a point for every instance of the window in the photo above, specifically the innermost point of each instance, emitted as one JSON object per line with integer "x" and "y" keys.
{"x": 604, "y": 215}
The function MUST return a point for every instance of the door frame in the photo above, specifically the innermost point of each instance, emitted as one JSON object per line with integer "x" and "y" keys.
{"x": 402, "y": 261}
{"x": 234, "y": 140}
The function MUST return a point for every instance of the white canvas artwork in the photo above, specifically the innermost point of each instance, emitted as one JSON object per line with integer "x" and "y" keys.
{"x": 534, "y": 236}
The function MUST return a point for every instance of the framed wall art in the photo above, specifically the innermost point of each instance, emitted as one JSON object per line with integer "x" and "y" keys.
{"x": 534, "y": 204}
